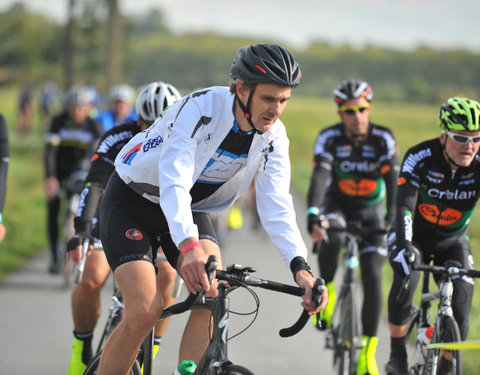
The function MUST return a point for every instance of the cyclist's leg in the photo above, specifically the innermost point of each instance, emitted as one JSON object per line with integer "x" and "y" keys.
{"x": 143, "y": 305}
{"x": 86, "y": 308}
{"x": 371, "y": 263}
{"x": 165, "y": 282}
{"x": 128, "y": 232}
{"x": 53, "y": 209}
{"x": 398, "y": 314}
{"x": 328, "y": 259}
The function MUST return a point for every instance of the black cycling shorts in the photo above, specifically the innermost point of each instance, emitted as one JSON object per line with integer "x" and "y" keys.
{"x": 131, "y": 226}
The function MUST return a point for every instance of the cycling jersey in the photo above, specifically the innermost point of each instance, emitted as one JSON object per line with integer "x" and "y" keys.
{"x": 69, "y": 145}
{"x": 108, "y": 120}
{"x": 102, "y": 166}
{"x": 4, "y": 161}
{"x": 434, "y": 201}
{"x": 163, "y": 163}
{"x": 360, "y": 173}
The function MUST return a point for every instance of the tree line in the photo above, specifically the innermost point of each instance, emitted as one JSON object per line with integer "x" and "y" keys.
{"x": 33, "y": 48}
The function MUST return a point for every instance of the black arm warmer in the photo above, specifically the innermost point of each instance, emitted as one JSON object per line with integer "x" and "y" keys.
{"x": 406, "y": 201}
{"x": 391, "y": 178}
{"x": 299, "y": 263}
{"x": 318, "y": 184}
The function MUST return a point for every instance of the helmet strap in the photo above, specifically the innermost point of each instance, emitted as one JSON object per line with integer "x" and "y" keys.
{"x": 246, "y": 109}
{"x": 446, "y": 153}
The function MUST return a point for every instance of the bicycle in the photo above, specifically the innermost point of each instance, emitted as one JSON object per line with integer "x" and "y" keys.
{"x": 215, "y": 359}
{"x": 344, "y": 335}
{"x": 445, "y": 328}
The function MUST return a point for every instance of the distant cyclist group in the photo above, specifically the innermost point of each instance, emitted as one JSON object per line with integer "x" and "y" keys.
{"x": 158, "y": 167}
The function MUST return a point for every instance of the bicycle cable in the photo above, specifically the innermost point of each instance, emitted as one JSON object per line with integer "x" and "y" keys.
{"x": 254, "y": 312}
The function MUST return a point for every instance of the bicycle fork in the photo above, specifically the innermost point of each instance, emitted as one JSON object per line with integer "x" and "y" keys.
{"x": 216, "y": 354}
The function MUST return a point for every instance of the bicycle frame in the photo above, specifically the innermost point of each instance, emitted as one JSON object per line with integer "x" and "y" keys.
{"x": 215, "y": 358}
{"x": 420, "y": 316}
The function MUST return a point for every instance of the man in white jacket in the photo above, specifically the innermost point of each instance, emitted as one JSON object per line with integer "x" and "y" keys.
{"x": 200, "y": 156}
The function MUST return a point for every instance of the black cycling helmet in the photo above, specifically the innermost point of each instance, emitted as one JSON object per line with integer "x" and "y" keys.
{"x": 352, "y": 89}
{"x": 266, "y": 63}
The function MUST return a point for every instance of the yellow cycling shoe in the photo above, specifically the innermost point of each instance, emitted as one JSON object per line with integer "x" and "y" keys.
{"x": 367, "y": 364}
{"x": 77, "y": 367}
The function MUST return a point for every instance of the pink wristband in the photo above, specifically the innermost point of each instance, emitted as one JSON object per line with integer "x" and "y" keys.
{"x": 190, "y": 246}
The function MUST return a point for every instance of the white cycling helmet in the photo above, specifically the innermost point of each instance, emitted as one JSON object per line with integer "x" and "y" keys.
{"x": 154, "y": 99}
{"x": 79, "y": 96}
{"x": 122, "y": 93}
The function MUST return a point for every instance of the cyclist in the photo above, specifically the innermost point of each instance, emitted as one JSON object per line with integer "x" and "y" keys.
{"x": 4, "y": 161}
{"x": 355, "y": 167}
{"x": 122, "y": 110}
{"x": 26, "y": 109}
{"x": 191, "y": 161}
{"x": 151, "y": 102}
{"x": 70, "y": 141}
{"x": 438, "y": 189}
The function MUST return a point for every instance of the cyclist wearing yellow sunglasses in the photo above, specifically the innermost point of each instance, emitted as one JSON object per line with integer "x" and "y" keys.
{"x": 360, "y": 159}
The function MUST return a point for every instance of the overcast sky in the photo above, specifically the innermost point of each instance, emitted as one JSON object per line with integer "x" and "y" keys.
{"x": 388, "y": 23}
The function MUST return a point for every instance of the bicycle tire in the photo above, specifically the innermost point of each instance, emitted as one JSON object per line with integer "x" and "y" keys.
{"x": 414, "y": 366}
{"x": 347, "y": 340}
{"x": 92, "y": 367}
{"x": 146, "y": 355}
{"x": 446, "y": 330}
{"x": 235, "y": 370}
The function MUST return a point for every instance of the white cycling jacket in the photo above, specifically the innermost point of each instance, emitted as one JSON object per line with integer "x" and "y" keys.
{"x": 163, "y": 162}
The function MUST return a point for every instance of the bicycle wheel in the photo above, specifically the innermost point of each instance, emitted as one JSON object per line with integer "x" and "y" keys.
{"x": 235, "y": 370}
{"x": 347, "y": 340}
{"x": 414, "y": 365}
{"x": 441, "y": 361}
{"x": 92, "y": 367}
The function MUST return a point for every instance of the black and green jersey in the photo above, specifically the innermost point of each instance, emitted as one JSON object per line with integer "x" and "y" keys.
{"x": 434, "y": 201}
{"x": 357, "y": 170}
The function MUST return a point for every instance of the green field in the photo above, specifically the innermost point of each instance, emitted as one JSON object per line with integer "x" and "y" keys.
{"x": 25, "y": 215}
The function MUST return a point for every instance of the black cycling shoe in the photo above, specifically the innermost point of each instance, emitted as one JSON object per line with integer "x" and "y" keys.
{"x": 396, "y": 366}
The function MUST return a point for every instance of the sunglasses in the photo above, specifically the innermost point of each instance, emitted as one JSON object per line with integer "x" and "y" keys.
{"x": 352, "y": 109}
{"x": 463, "y": 139}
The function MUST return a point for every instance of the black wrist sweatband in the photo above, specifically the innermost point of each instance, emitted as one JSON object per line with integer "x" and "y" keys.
{"x": 297, "y": 264}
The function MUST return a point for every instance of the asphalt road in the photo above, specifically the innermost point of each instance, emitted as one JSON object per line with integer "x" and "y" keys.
{"x": 36, "y": 324}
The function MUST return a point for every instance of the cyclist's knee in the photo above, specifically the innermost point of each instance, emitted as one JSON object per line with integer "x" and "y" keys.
{"x": 89, "y": 286}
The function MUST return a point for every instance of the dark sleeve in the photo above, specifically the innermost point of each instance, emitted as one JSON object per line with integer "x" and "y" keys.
{"x": 51, "y": 147}
{"x": 95, "y": 184}
{"x": 406, "y": 201}
{"x": 318, "y": 182}
{"x": 4, "y": 161}
{"x": 322, "y": 169}
{"x": 391, "y": 180}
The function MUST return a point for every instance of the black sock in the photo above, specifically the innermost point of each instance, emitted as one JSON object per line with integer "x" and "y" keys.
{"x": 87, "y": 345}
{"x": 397, "y": 347}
